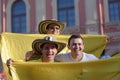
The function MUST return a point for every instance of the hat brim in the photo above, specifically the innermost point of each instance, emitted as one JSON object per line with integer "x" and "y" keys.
{"x": 45, "y": 23}
{"x": 36, "y": 45}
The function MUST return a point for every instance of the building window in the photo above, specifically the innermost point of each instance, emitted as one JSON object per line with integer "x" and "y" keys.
{"x": 114, "y": 10}
{"x": 66, "y": 12}
{"x": 19, "y": 17}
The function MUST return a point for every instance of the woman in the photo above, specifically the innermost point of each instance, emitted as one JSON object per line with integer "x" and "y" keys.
{"x": 51, "y": 27}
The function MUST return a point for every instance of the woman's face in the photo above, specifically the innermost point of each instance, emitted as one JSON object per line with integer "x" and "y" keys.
{"x": 49, "y": 50}
{"x": 53, "y": 29}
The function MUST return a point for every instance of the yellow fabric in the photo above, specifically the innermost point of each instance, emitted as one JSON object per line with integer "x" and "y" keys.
{"x": 16, "y": 45}
{"x": 0, "y": 43}
{"x": 117, "y": 54}
{"x": 107, "y": 69}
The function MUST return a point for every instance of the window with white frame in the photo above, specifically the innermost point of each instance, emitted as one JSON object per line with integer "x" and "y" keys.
{"x": 18, "y": 14}
{"x": 66, "y": 12}
{"x": 114, "y": 10}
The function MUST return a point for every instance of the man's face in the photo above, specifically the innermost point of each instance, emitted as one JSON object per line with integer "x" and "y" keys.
{"x": 49, "y": 51}
{"x": 76, "y": 46}
{"x": 53, "y": 29}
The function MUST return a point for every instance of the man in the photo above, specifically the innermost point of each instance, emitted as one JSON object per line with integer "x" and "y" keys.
{"x": 76, "y": 45}
{"x": 47, "y": 48}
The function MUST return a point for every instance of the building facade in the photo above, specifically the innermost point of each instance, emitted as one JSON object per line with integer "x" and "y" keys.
{"x": 81, "y": 16}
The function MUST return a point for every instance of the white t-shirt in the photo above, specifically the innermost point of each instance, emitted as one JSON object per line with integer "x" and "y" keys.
{"x": 68, "y": 58}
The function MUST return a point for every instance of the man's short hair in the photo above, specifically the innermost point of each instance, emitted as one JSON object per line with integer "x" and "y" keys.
{"x": 74, "y": 37}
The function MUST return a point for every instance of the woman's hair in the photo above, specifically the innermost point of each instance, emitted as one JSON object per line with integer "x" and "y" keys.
{"x": 51, "y": 24}
{"x": 46, "y": 43}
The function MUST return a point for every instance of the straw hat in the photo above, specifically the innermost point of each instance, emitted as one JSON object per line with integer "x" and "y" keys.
{"x": 36, "y": 45}
{"x": 43, "y": 25}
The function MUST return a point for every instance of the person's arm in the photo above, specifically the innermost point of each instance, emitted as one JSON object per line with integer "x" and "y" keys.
{"x": 29, "y": 54}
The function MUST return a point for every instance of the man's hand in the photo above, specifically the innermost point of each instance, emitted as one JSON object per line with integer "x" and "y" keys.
{"x": 9, "y": 63}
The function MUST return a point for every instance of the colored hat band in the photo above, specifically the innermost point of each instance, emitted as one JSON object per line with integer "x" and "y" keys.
{"x": 49, "y": 38}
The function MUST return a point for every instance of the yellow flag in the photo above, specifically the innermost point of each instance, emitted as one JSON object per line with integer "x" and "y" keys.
{"x": 16, "y": 45}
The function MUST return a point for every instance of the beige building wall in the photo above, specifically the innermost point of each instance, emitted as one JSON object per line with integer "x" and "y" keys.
{"x": 54, "y": 7}
{"x": 77, "y": 13}
{"x": 106, "y": 11}
{"x": 91, "y": 12}
{"x": 40, "y": 12}
{"x": 91, "y": 17}
{"x": 0, "y": 17}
